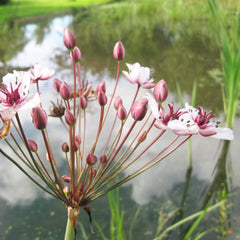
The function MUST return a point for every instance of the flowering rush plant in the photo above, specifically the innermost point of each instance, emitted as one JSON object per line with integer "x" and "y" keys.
{"x": 91, "y": 164}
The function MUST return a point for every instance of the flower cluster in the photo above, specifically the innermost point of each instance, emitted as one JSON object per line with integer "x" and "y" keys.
{"x": 89, "y": 170}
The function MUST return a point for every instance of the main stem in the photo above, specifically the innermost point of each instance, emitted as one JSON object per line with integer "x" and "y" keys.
{"x": 70, "y": 233}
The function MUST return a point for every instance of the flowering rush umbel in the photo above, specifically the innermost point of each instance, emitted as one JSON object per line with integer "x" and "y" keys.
{"x": 92, "y": 163}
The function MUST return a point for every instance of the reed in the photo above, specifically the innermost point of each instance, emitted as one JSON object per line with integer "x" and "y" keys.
{"x": 225, "y": 27}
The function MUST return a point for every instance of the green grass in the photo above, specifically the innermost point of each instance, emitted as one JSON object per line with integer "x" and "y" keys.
{"x": 28, "y": 8}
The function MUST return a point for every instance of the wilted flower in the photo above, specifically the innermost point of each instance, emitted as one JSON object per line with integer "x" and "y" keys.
{"x": 15, "y": 96}
{"x": 139, "y": 75}
{"x": 56, "y": 110}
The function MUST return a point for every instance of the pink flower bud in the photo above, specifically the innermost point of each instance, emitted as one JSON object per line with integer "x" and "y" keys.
{"x": 119, "y": 51}
{"x": 32, "y": 145}
{"x": 139, "y": 109}
{"x": 91, "y": 159}
{"x": 102, "y": 98}
{"x": 65, "y": 91}
{"x": 75, "y": 146}
{"x": 77, "y": 54}
{"x": 117, "y": 102}
{"x": 121, "y": 112}
{"x": 39, "y": 118}
{"x": 160, "y": 91}
{"x": 84, "y": 102}
{"x": 66, "y": 191}
{"x": 77, "y": 140}
{"x": 103, "y": 158}
{"x": 65, "y": 147}
{"x": 66, "y": 178}
{"x": 57, "y": 84}
{"x": 101, "y": 87}
{"x": 69, "y": 39}
{"x": 93, "y": 172}
{"x": 142, "y": 136}
{"x": 69, "y": 117}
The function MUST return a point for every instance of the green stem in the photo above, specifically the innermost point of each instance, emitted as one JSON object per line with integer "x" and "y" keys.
{"x": 70, "y": 233}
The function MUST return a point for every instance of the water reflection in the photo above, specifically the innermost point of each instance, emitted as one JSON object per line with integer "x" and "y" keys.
{"x": 166, "y": 181}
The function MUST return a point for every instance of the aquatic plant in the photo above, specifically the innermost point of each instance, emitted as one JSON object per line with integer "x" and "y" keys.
{"x": 225, "y": 27}
{"x": 125, "y": 133}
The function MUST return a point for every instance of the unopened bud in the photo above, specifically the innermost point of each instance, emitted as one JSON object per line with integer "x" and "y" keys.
{"x": 91, "y": 159}
{"x": 69, "y": 39}
{"x": 103, "y": 158}
{"x": 77, "y": 54}
{"x": 65, "y": 147}
{"x": 66, "y": 178}
{"x": 101, "y": 87}
{"x": 32, "y": 145}
{"x": 84, "y": 102}
{"x": 102, "y": 98}
{"x": 69, "y": 117}
{"x": 77, "y": 139}
{"x": 117, "y": 102}
{"x": 160, "y": 91}
{"x": 119, "y": 51}
{"x": 139, "y": 109}
{"x": 39, "y": 118}
{"x": 142, "y": 136}
{"x": 66, "y": 191}
{"x": 65, "y": 91}
{"x": 57, "y": 84}
{"x": 122, "y": 112}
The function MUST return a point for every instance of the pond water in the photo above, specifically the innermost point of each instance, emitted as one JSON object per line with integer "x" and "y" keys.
{"x": 177, "y": 56}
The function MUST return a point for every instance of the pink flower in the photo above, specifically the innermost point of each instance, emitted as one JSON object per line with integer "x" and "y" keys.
{"x": 139, "y": 75}
{"x": 194, "y": 121}
{"x": 15, "y": 96}
{"x": 162, "y": 117}
{"x": 37, "y": 72}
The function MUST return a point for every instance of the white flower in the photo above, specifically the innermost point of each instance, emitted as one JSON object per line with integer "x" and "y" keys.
{"x": 15, "y": 96}
{"x": 38, "y": 72}
{"x": 139, "y": 75}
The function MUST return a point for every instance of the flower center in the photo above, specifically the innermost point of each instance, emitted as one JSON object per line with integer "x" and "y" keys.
{"x": 12, "y": 97}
